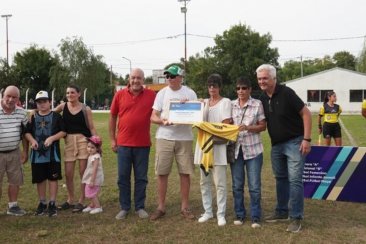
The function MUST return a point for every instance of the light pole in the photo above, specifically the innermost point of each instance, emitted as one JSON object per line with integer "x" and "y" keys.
{"x": 7, "y": 16}
{"x": 129, "y": 62}
{"x": 184, "y": 11}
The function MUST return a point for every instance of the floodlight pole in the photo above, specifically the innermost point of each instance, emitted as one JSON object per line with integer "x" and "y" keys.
{"x": 7, "y": 16}
{"x": 184, "y": 11}
{"x": 129, "y": 60}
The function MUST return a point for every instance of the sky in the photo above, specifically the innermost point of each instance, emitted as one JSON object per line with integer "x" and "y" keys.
{"x": 151, "y": 33}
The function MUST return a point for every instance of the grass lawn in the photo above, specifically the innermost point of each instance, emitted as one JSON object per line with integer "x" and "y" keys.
{"x": 325, "y": 221}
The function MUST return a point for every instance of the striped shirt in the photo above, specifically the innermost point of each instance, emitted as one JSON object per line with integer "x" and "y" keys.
{"x": 11, "y": 128}
{"x": 250, "y": 142}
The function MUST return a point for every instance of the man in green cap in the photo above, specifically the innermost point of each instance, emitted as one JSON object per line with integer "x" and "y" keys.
{"x": 172, "y": 141}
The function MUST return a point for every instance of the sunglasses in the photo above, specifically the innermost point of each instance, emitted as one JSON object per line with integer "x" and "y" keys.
{"x": 169, "y": 76}
{"x": 242, "y": 88}
{"x": 213, "y": 86}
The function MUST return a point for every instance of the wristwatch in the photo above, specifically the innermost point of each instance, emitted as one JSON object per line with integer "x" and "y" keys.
{"x": 307, "y": 139}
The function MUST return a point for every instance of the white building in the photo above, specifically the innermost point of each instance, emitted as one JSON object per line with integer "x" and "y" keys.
{"x": 350, "y": 87}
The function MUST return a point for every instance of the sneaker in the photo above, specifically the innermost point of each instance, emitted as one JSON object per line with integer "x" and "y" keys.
{"x": 41, "y": 209}
{"x": 65, "y": 206}
{"x": 239, "y": 221}
{"x": 52, "y": 210}
{"x": 294, "y": 226}
{"x": 187, "y": 213}
{"x": 16, "y": 211}
{"x": 157, "y": 215}
{"x": 122, "y": 214}
{"x": 96, "y": 210}
{"x": 142, "y": 213}
{"x": 204, "y": 218}
{"x": 78, "y": 208}
{"x": 87, "y": 209}
{"x": 276, "y": 217}
{"x": 255, "y": 223}
{"x": 221, "y": 221}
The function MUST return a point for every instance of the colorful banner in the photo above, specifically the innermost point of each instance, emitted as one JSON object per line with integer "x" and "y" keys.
{"x": 335, "y": 173}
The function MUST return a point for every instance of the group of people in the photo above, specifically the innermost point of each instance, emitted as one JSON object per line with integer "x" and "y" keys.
{"x": 133, "y": 109}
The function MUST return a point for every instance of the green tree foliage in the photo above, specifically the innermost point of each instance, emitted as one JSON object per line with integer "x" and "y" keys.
{"x": 361, "y": 61}
{"x": 7, "y": 75}
{"x": 78, "y": 64}
{"x": 32, "y": 68}
{"x": 237, "y": 52}
{"x": 345, "y": 60}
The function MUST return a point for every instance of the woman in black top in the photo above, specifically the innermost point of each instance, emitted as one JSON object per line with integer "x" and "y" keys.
{"x": 79, "y": 125}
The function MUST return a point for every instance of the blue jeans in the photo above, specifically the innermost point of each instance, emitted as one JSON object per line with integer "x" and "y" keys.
{"x": 288, "y": 166}
{"x": 138, "y": 158}
{"x": 254, "y": 169}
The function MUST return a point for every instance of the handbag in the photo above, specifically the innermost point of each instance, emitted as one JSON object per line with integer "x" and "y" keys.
{"x": 230, "y": 148}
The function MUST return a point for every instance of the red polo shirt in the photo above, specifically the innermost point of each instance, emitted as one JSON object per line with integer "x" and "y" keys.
{"x": 133, "y": 117}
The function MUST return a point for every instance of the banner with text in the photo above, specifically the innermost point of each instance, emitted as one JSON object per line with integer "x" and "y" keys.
{"x": 335, "y": 173}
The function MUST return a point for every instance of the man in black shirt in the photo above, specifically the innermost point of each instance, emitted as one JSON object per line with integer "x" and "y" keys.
{"x": 289, "y": 127}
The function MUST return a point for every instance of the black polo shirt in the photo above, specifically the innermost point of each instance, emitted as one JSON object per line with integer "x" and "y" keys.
{"x": 282, "y": 114}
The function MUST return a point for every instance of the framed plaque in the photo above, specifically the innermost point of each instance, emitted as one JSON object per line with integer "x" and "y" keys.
{"x": 185, "y": 113}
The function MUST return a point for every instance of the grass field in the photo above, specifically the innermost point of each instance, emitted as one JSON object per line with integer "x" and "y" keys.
{"x": 325, "y": 221}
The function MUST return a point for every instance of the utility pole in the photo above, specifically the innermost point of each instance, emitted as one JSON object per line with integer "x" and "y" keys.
{"x": 129, "y": 60}
{"x": 7, "y": 16}
{"x": 184, "y": 11}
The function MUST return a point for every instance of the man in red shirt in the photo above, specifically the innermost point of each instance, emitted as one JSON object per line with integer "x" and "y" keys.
{"x": 132, "y": 107}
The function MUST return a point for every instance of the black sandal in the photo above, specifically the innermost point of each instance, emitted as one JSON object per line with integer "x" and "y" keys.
{"x": 65, "y": 206}
{"x": 78, "y": 208}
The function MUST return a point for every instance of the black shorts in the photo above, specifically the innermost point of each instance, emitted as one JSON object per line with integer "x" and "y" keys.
{"x": 46, "y": 171}
{"x": 331, "y": 130}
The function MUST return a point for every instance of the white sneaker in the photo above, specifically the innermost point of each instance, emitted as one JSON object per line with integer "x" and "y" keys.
{"x": 96, "y": 210}
{"x": 122, "y": 214}
{"x": 204, "y": 218}
{"x": 142, "y": 213}
{"x": 221, "y": 221}
{"x": 87, "y": 209}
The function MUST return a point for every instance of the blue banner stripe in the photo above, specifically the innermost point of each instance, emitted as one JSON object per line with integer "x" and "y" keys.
{"x": 332, "y": 172}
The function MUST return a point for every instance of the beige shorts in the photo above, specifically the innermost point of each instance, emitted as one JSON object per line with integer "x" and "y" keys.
{"x": 75, "y": 147}
{"x": 165, "y": 153}
{"x": 11, "y": 165}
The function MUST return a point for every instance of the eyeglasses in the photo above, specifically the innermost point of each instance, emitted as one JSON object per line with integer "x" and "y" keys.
{"x": 169, "y": 76}
{"x": 242, "y": 88}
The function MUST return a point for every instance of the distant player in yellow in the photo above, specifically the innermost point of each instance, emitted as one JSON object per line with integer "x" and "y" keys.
{"x": 330, "y": 111}
{"x": 364, "y": 108}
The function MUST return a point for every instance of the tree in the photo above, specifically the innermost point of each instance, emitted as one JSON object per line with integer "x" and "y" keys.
{"x": 7, "y": 76}
{"x": 361, "y": 60}
{"x": 345, "y": 60}
{"x": 32, "y": 68}
{"x": 237, "y": 52}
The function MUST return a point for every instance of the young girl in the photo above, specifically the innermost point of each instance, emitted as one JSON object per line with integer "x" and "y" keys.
{"x": 93, "y": 176}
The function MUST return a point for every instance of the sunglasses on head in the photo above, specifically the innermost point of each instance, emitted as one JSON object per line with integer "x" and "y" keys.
{"x": 242, "y": 88}
{"x": 170, "y": 76}
{"x": 213, "y": 85}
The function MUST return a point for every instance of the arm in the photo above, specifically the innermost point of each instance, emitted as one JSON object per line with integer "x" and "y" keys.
{"x": 320, "y": 124}
{"x": 24, "y": 155}
{"x": 259, "y": 127}
{"x": 363, "y": 111}
{"x": 56, "y": 137}
{"x": 90, "y": 121}
{"x": 33, "y": 142}
{"x": 59, "y": 108}
{"x": 306, "y": 117}
{"x": 95, "y": 171}
{"x": 112, "y": 131}
{"x": 155, "y": 118}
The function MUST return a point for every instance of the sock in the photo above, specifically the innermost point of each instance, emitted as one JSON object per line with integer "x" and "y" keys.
{"x": 43, "y": 201}
{"x": 12, "y": 204}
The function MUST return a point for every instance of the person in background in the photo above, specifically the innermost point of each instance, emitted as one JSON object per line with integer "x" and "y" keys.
{"x": 217, "y": 110}
{"x": 330, "y": 111}
{"x": 248, "y": 113}
{"x": 79, "y": 125}
{"x": 44, "y": 131}
{"x": 363, "y": 110}
{"x": 172, "y": 141}
{"x": 13, "y": 121}
{"x": 132, "y": 107}
{"x": 289, "y": 127}
{"x": 93, "y": 175}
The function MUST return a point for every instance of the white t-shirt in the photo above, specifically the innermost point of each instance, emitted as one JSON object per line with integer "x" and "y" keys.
{"x": 216, "y": 114}
{"x": 161, "y": 104}
{"x": 99, "y": 178}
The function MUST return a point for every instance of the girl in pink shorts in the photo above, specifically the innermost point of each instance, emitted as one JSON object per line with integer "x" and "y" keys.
{"x": 93, "y": 176}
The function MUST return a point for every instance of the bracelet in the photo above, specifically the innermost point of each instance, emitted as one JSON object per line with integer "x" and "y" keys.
{"x": 307, "y": 139}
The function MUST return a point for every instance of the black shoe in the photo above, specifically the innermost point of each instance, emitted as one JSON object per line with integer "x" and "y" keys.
{"x": 41, "y": 209}
{"x": 52, "y": 210}
{"x": 65, "y": 206}
{"x": 78, "y": 208}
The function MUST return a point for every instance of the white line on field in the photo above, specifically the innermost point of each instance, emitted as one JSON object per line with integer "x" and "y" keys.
{"x": 350, "y": 137}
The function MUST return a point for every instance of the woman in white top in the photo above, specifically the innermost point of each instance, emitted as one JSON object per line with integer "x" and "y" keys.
{"x": 217, "y": 110}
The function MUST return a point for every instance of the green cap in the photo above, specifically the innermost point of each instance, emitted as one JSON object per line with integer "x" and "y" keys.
{"x": 174, "y": 70}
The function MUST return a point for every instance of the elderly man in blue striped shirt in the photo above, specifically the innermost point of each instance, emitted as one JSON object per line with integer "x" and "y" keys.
{"x": 12, "y": 121}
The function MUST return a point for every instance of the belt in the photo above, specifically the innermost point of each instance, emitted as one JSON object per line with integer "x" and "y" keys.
{"x": 8, "y": 151}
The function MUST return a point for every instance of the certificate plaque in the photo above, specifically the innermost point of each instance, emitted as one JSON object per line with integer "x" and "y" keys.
{"x": 185, "y": 113}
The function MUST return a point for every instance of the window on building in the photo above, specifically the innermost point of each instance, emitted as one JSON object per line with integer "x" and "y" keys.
{"x": 357, "y": 95}
{"x": 317, "y": 95}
